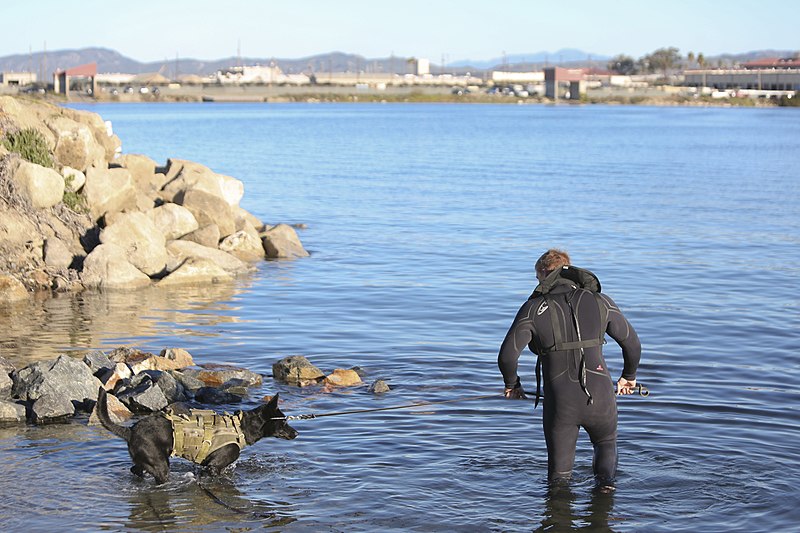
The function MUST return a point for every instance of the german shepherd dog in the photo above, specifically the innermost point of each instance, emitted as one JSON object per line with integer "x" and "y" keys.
{"x": 150, "y": 440}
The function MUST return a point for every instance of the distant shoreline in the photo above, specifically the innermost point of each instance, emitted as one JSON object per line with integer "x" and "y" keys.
{"x": 414, "y": 94}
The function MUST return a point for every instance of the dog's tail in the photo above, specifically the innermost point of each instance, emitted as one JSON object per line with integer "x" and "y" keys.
{"x": 102, "y": 414}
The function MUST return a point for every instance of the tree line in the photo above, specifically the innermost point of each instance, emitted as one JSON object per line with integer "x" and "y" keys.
{"x": 661, "y": 61}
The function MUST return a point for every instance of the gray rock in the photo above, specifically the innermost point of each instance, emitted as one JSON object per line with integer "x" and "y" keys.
{"x": 173, "y": 390}
{"x": 52, "y": 408}
{"x": 190, "y": 383}
{"x": 11, "y": 413}
{"x": 98, "y": 361}
{"x": 379, "y": 386}
{"x": 297, "y": 370}
{"x": 212, "y": 395}
{"x": 6, "y": 384}
{"x": 65, "y": 378}
{"x": 143, "y": 395}
{"x": 5, "y": 366}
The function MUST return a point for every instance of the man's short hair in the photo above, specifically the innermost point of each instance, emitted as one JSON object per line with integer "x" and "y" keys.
{"x": 551, "y": 260}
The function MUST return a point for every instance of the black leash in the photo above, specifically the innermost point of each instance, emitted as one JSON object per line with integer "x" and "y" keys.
{"x": 226, "y": 505}
{"x": 640, "y": 389}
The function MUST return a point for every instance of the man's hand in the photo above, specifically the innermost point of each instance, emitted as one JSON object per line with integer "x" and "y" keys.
{"x": 515, "y": 394}
{"x": 625, "y": 386}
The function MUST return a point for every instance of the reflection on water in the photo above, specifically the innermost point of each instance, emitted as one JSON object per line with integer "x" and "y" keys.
{"x": 45, "y": 327}
{"x": 563, "y": 513}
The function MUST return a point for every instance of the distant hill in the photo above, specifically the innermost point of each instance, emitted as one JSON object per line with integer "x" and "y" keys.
{"x": 108, "y": 61}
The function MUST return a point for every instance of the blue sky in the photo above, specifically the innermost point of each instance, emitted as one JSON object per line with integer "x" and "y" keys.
{"x": 154, "y": 30}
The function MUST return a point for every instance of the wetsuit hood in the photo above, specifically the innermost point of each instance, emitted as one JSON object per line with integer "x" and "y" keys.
{"x": 567, "y": 275}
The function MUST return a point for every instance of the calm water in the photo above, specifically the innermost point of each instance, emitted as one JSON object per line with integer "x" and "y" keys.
{"x": 424, "y": 222}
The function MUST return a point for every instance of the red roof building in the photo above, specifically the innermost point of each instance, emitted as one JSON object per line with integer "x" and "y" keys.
{"x": 773, "y": 62}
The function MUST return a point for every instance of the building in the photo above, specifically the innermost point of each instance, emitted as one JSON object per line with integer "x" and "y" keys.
{"x": 773, "y": 63}
{"x": 19, "y": 79}
{"x": 773, "y": 76}
{"x": 752, "y": 79}
{"x": 250, "y": 74}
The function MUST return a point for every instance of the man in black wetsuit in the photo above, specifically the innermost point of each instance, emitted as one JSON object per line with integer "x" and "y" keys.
{"x": 564, "y": 323}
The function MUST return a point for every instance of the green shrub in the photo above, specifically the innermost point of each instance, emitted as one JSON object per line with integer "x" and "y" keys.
{"x": 31, "y": 145}
{"x": 73, "y": 200}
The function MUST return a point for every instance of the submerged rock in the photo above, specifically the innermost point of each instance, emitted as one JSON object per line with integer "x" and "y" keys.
{"x": 297, "y": 370}
{"x": 343, "y": 378}
{"x": 224, "y": 376}
{"x": 379, "y": 386}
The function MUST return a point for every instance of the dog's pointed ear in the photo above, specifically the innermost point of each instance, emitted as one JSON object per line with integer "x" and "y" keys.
{"x": 273, "y": 402}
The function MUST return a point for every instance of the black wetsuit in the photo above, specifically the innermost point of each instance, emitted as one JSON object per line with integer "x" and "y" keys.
{"x": 567, "y": 405}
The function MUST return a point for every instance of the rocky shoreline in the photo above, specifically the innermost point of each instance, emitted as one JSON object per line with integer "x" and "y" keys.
{"x": 76, "y": 213}
{"x": 140, "y": 383}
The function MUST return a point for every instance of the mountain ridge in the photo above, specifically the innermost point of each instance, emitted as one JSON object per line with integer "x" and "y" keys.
{"x": 112, "y": 61}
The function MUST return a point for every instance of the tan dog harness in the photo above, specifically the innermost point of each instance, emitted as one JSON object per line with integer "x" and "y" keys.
{"x": 203, "y": 432}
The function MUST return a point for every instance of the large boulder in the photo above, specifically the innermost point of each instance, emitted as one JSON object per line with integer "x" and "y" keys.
{"x": 56, "y": 384}
{"x": 208, "y": 209}
{"x": 143, "y": 243}
{"x": 182, "y": 250}
{"x": 6, "y": 384}
{"x": 76, "y": 145}
{"x": 183, "y": 176}
{"x": 11, "y": 289}
{"x": 297, "y": 370}
{"x": 101, "y": 129}
{"x": 207, "y": 235}
{"x": 196, "y": 270}
{"x": 142, "y": 395}
{"x": 11, "y": 413}
{"x": 56, "y": 253}
{"x": 173, "y": 220}
{"x": 107, "y": 267}
{"x": 243, "y": 245}
{"x": 143, "y": 172}
{"x": 282, "y": 241}
{"x": 109, "y": 191}
{"x": 42, "y": 187}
